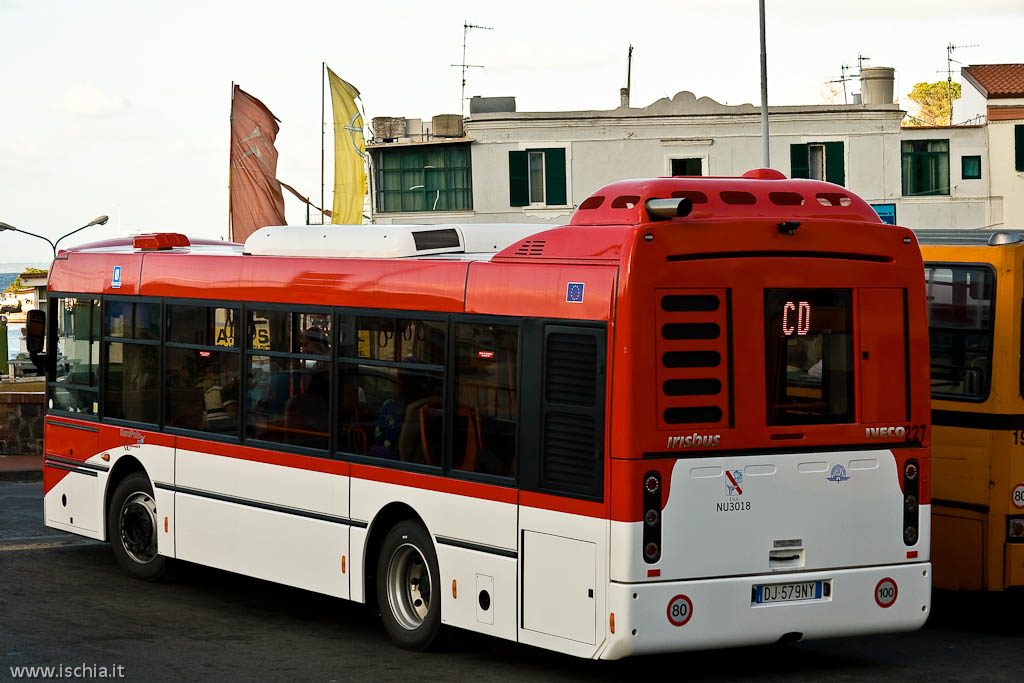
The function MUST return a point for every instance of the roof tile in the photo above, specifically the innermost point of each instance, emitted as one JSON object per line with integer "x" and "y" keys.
{"x": 997, "y": 80}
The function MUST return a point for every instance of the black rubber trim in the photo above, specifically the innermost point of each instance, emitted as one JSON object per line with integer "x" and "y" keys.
{"x": 960, "y": 505}
{"x": 79, "y": 470}
{"x": 84, "y": 428}
{"x": 263, "y": 506}
{"x": 77, "y": 463}
{"x": 728, "y": 452}
{"x": 466, "y": 545}
{"x": 968, "y": 420}
{"x": 779, "y": 254}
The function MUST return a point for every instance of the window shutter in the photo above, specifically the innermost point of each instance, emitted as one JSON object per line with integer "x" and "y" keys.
{"x": 518, "y": 176}
{"x": 554, "y": 176}
{"x": 835, "y": 163}
{"x": 798, "y": 166}
{"x": 572, "y": 407}
{"x": 1018, "y": 139}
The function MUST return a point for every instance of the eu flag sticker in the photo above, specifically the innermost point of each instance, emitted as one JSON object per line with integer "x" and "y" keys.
{"x": 574, "y": 293}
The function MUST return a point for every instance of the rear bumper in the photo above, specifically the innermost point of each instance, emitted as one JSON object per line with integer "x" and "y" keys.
{"x": 723, "y": 616}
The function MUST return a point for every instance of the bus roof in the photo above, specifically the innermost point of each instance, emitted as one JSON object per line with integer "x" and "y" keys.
{"x": 968, "y": 237}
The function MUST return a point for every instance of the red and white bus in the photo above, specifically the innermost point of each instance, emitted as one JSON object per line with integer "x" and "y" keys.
{"x": 696, "y": 416}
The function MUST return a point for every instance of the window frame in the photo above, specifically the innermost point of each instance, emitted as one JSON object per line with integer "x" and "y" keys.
{"x": 556, "y": 185}
{"x": 906, "y": 191}
{"x": 933, "y": 395}
{"x": 421, "y": 190}
{"x": 963, "y": 167}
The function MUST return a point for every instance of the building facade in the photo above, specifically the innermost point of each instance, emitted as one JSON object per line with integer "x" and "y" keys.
{"x": 509, "y": 166}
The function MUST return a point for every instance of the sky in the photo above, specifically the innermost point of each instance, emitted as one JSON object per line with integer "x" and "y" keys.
{"x": 122, "y": 107}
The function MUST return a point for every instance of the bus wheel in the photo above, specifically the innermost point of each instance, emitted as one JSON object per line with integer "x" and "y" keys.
{"x": 132, "y": 528}
{"x": 408, "y": 588}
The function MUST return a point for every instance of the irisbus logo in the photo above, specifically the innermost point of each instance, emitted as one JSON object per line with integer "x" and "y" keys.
{"x": 695, "y": 441}
{"x": 885, "y": 432}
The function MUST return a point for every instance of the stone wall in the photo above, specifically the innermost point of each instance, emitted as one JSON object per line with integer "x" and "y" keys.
{"x": 21, "y": 423}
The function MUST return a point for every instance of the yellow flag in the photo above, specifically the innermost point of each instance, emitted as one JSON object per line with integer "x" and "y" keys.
{"x": 349, "y": 152}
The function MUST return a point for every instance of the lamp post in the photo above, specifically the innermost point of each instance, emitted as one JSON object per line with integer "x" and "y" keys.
{"x": 101, "y": 220}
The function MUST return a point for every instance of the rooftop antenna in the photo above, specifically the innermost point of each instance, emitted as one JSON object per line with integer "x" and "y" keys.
{"x": 949, "y": 74}
{"x": 466, "y": 26}
{"x": 843, "y": 78}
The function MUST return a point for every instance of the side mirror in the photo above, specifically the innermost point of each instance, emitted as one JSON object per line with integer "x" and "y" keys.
{"x": 35, "y": 338}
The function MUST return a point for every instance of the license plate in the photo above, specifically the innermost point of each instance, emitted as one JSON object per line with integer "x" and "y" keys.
{"x": 767, "y": 593}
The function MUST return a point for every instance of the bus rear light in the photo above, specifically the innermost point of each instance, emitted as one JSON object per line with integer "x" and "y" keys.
{"x": 1015, "y": 529}
{"x": 651, "y": 514}
{"x": 910, "y": 470}
{"x": 911, "y": 506}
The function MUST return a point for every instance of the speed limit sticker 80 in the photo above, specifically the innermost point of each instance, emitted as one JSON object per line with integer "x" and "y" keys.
{"x": 886, "y": 592}
{"x": 680, "y": 609}
{"x": 1018, "y": 496}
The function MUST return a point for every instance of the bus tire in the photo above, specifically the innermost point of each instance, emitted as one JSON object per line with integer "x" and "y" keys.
{"x": 408, "y": 587}
{"x": 132, "y": 528}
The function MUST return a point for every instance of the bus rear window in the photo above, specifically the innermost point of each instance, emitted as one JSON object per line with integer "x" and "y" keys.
{"x": 960, "y": 329}
{"x": 809, "y": 356}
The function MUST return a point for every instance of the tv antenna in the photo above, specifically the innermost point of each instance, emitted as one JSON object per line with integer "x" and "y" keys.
{"x": 466, "y": 26}
{"x": 843, "y": 78}
{"x": 950, "y": 48}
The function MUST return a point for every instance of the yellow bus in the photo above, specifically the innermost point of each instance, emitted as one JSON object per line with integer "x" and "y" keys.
{"x": 975, "y": 289}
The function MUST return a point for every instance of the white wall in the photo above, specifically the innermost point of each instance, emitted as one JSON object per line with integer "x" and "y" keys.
{"x": 1007, "y": 182}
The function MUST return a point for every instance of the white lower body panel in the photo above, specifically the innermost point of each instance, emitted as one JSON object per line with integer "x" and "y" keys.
{"x": 723, "y": 616}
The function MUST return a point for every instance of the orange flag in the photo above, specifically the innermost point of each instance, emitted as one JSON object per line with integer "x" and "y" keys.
{"x": 256, "y": 198}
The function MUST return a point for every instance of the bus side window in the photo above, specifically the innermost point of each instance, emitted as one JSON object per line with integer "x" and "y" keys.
{"x": 960, "y": 304}
{"x": 486, "y": 414}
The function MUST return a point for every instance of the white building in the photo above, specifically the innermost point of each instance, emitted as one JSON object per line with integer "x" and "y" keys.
{"x": 508, "y": 166}
{"x": 994, "y": 95}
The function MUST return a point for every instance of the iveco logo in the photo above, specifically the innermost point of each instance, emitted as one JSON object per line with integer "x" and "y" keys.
{"x": 695, "y": 441}
{"x": 885, "y": 432}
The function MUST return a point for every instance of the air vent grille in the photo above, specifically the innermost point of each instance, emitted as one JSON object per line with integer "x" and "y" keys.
{"x": 530, "y": 248}
{"x": 572, "y": 452}
{"x": 693, "y": 347}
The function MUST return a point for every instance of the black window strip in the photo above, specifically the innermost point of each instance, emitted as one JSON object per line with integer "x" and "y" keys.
{"x": 779, "y": 254}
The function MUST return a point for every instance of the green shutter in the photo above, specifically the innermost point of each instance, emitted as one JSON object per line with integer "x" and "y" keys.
{"x": 835, "y": 163}
{"x": 554, "y": 176}
{"x": 1018, "y": 139}
{"x": 518, "y": 177}
{"x": 798, "y": 166}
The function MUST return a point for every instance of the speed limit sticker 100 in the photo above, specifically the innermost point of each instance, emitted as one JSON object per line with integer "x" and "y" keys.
{"x": 1018, "y": 496}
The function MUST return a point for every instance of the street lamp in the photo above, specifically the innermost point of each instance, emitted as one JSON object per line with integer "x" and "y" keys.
{"x": 101, "y": 220}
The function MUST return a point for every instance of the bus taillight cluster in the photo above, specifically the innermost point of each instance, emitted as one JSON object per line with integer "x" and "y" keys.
{"x": 652, "y": 517}
{"x": 911, "y": 487}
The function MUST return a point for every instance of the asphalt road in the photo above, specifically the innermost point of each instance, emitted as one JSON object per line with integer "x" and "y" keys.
{"x": 63, "y": 602}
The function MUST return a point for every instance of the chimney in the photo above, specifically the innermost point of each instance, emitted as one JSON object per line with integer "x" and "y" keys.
{"x": 876, "y": 84}
{"x": 623, "y": 97}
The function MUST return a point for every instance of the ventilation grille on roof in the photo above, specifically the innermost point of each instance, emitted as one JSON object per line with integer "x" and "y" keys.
{"x": 530, "y": 248}
{"x": 436, "y": 239}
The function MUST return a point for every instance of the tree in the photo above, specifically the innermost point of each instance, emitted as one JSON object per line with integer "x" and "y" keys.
{"x": 935, "y": 104}
{"x": 16, "y": 285}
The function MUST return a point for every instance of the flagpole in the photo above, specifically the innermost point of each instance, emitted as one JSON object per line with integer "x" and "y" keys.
{"x": 323, "y": 129}
{"x": 231, "y": 127}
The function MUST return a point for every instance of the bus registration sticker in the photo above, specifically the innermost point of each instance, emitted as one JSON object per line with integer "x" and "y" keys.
{"x": 1018, "y": 496}
{"x": 886, "y": 592}
{"x": 680, "y": 609}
